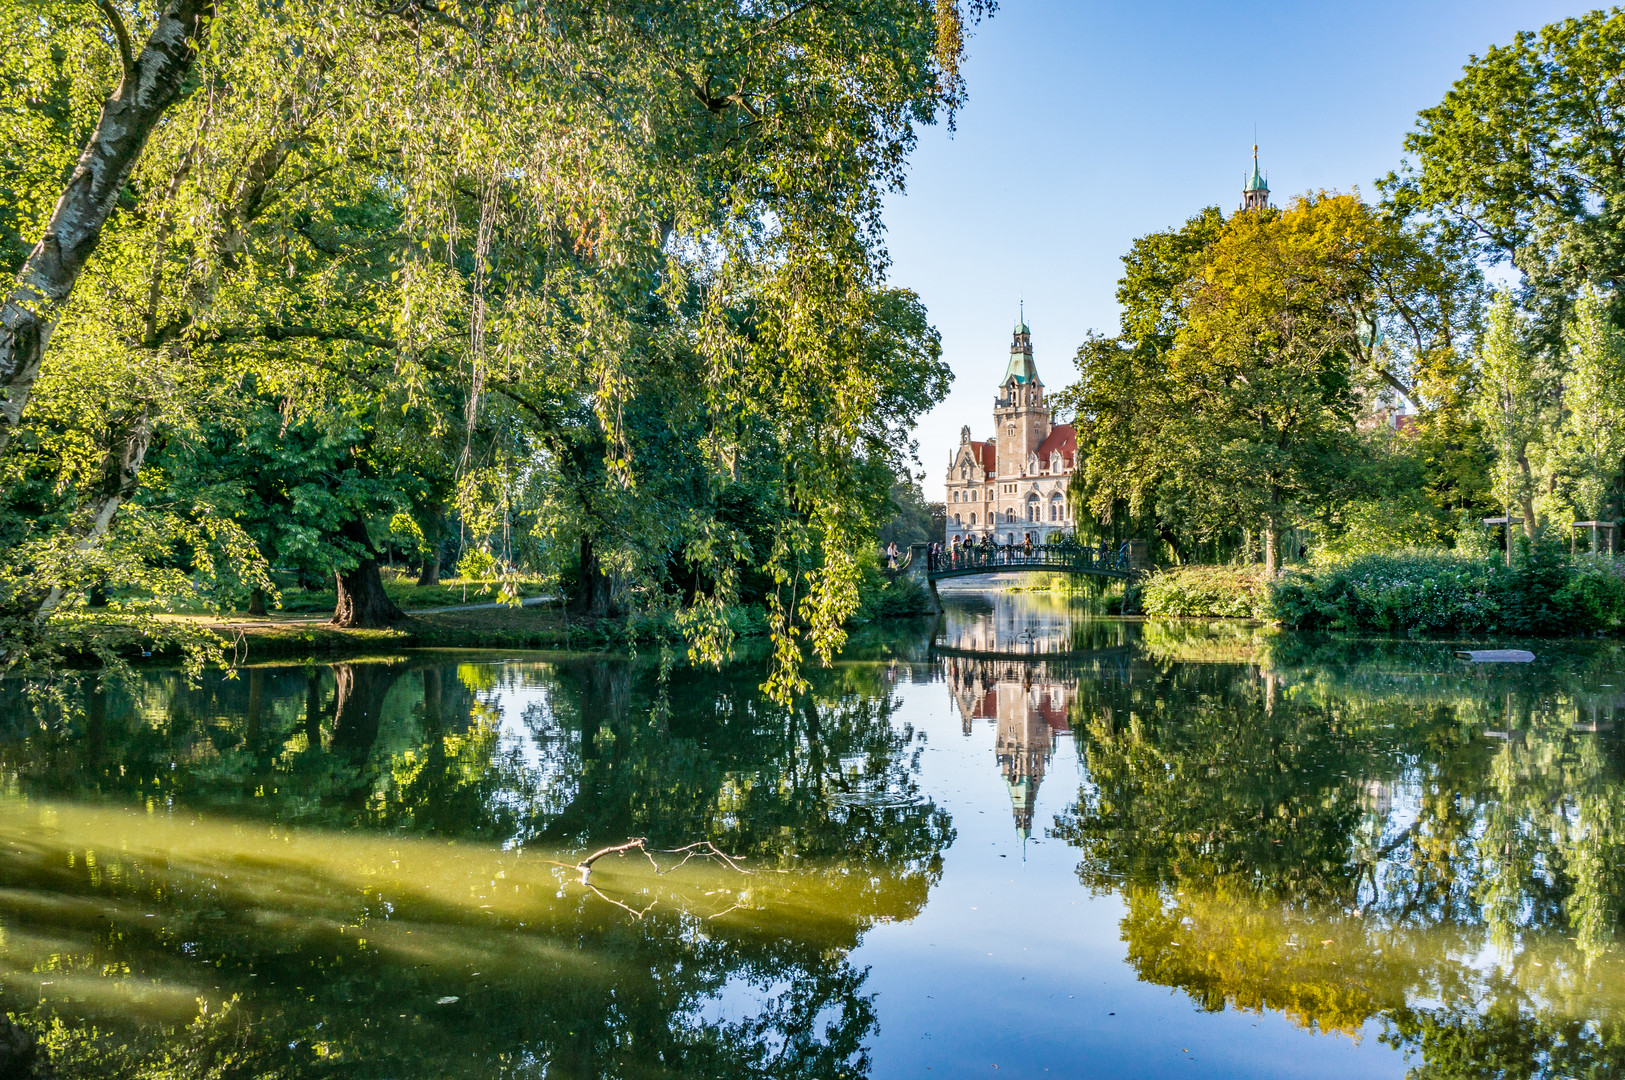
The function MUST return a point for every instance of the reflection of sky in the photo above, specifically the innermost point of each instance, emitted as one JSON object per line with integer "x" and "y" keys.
{"x": 519, "y": 702}
{"x": 1010, "y": 622}
{"x": 1013, "y": 963}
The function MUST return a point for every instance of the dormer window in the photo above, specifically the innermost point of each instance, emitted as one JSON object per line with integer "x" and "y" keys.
{"x": 1032, "y": 463}
{"x": 1055, "y": 461}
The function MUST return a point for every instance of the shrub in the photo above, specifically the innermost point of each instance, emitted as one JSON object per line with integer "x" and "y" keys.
{"x": 1448, "y": 592}
{"x": 1207, "y": 592}
{"x": 1596, "y": 589}
{"x": 1415, "y": 591}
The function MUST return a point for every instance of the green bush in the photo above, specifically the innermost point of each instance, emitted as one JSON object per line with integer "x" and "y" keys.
{"x": 1207, "y": 592}
{"x": 1448, "y": 592}
{"x": 1418, "y": 592}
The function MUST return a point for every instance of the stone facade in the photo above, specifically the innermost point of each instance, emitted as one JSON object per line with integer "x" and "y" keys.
{"x": 1014, "y": 484}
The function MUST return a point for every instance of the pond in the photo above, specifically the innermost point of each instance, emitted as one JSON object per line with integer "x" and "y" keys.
{"x": 1022, "y": 843}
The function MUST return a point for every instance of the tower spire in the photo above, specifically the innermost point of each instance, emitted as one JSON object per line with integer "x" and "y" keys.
{"x": 1255, "y": 193}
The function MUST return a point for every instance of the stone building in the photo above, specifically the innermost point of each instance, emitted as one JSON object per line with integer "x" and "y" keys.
{"x": 1014, "y": 484}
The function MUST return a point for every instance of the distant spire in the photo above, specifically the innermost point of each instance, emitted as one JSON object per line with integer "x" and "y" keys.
{"x": 1255, "y": 192}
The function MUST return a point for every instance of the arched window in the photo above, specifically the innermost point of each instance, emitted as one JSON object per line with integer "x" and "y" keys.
{"x": 1032, "y": 508}
{"x": 1055, "y": 461}
{"x": 964, "y": 472}
{"x": 1056, "y": 504}
{"x": 1032, "y": 463}
{"x": 973, "y": 520}
{"x": 956, "y": 521}
{"x": 1010, "y": 430}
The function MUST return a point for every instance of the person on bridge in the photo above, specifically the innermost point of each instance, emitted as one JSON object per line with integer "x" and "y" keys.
{"x": 953, "y": 550}
{"x": 891, "y": 555}
{"x": 1027, "y": 545}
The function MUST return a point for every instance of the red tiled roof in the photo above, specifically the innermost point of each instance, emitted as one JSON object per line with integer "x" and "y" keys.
{"x": 1054, "y": 717}
{"x": 986, "y": 455}
{"x": 1062, "y": 437}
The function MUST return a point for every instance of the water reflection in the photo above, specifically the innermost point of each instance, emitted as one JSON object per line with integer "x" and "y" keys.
{"x": 368, "y": 867}
{"x": 373, "y": 860}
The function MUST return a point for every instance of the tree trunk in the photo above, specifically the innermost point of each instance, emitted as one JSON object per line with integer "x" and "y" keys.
{"x": 595, "y": 591}
{"x": 313, "y": 708}
{"x": 1272, "y": 546}
{"x": 358, "y": 706}
{"x": 430, "y": 574}
{"x": 150, "y": 85}
{"x": 256, "y": 602}
{"x": 362, "y": 601}
{"x": 1528, "y": 500}
{"x": 121, "y": 473}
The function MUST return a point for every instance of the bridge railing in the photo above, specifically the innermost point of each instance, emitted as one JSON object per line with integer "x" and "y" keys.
{"x": 1071, "y": 558}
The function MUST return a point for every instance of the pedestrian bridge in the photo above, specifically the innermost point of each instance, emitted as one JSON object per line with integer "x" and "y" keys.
{"x": 926, "y": 567}
{"x": 1100, "y": 560}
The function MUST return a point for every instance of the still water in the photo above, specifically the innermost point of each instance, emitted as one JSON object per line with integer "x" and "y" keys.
{"x": 1022, "y": 843}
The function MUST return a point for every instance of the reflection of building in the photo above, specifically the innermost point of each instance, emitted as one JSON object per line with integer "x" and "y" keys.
{"x": 1029, "y": 716}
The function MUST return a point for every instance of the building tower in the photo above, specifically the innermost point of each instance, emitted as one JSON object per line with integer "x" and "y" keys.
{"x": 1019, "y": 411}
{"x": 1255, "y": 193}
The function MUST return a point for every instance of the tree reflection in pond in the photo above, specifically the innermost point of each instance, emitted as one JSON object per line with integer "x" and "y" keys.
{"x": 1387, "y": 838}
{"x": 372, "y": 860}
{"x": 366, "y": 870}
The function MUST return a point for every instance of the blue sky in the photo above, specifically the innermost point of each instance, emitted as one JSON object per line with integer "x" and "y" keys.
{"x": 1092, "y": 123}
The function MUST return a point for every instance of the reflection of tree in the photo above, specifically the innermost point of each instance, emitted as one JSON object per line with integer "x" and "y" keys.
{"x": 1340, "y": 840}
{"x": 341, "y": 957}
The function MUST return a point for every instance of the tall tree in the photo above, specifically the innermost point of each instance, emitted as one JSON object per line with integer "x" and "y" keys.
{"x": 148, "y": 84}
{"x": 1594, "y": 396}
{"x": 1511, "y": 403}
{"x": 568, "y": 208}
{"x": 1525, "y": 156}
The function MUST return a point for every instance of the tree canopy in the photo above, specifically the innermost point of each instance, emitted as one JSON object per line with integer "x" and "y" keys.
{"x": 580, "y": 269}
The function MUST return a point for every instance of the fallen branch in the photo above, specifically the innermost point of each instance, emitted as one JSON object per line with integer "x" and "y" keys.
{"x": 701, "y": 848}
{"x": 638, "y": 843}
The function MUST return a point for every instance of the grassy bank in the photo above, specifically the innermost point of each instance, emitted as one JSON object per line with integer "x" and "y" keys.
{"x": 293, "y": 634}
{"x": 410, "y": 596}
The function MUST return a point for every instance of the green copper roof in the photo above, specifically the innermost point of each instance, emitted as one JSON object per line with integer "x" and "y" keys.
{"x": 1256, "y": 182}
{"x": 1021, "y": 369}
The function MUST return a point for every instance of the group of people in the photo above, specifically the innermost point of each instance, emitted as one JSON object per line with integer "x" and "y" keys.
{"x": 956, "y": 551}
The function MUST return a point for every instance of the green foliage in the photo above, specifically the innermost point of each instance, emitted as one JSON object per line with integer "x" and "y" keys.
{"x": 913, "y": 519}
{"x": 1377, "y": 525}
{"x": 1594, "y": 394}
{"x": 881, "y": 596}
{"x": 1226, "y": 592}
{"x": 1522, "y": 158}
{"x": 1443, "y": 592}
{"x": 599, "y": 288}
{"x": 1230, "y": 398}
